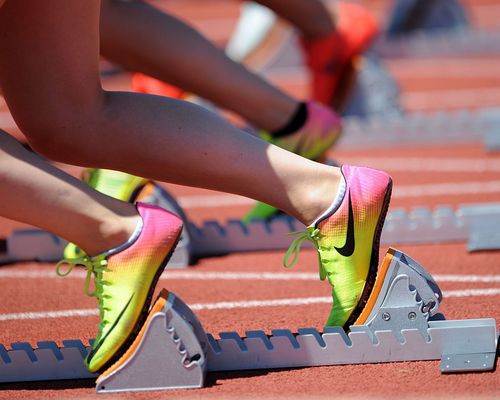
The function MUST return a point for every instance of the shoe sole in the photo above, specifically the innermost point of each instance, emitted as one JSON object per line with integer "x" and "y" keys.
{"x": 144, "y": 312}
{"x": 374, "y": 261}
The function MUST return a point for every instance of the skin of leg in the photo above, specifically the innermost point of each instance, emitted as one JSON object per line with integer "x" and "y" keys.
{"x": 142, "y": 38}
{"x": 38, "y": 193}
{"x": 311, "y": 17}
{"x": 56, "y": 98}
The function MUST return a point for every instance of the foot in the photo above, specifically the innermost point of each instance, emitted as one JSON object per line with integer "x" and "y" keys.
{"x": 347, "y": 238}
{"x": 116, "y": 184}
{"x": 320, "y": 132}
{"x": 330, "y": 58}
{"x": 125, "y": 279}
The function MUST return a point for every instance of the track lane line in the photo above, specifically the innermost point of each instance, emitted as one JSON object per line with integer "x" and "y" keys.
{"x": 228, "y": 275}
{"x": 227, "y": 305}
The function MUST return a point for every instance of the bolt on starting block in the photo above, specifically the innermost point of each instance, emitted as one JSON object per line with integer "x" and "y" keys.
{"x": 400, "y": 322}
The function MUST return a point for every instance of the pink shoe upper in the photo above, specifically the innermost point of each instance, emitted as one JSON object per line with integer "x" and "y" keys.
{"x": 320, "y": 132}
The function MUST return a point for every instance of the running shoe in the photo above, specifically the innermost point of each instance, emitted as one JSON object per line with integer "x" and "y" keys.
{"x": 124, "y": 280}
{"x": 347, "y": 237}
{"x": 120, "y": 185}
{"x": 116, "y": 184}
{"x": 146, "y": 84}
{"x": 330, "y": 58}
{"x": 320, "y": 132}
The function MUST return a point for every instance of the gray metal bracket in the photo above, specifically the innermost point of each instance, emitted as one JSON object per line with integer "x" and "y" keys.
{"x": 170, "y": 354}
{"x": 402, "y": 325}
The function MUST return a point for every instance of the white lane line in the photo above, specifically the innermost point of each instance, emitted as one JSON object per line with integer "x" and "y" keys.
{"x": 49, "y": 314}
{"x": 229, "y": 276}
{"x": 399, "y": 191}
{"x": 418, "y": 164}
{"x": 226, "y": 305}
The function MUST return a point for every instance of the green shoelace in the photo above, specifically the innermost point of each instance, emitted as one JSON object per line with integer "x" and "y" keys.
{"x": 95, "y": 266}
{"x": 312, "y": 235}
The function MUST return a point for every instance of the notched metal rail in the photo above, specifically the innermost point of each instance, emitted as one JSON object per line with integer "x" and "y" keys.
{"x": 475, "y": 224}
{"x": 403, "y": 324}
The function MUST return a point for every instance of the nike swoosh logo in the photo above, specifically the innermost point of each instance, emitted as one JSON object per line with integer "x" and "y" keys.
{"x": 96, "y": 348}
{"x": 348, "y": 249}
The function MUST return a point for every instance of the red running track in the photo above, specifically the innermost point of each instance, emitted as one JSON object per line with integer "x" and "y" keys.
{"x": 475, "y": 179}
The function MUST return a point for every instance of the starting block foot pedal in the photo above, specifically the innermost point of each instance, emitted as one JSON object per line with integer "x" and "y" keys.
{"x": 167, "y": 354}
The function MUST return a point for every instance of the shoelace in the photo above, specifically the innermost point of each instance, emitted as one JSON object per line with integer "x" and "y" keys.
{"x": 95, "y": 266}
{"x": 312, "y": 235}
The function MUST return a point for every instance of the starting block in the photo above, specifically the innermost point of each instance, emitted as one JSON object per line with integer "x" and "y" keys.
{"x": 475, "y": 224}
{"x": 400, "y": 322}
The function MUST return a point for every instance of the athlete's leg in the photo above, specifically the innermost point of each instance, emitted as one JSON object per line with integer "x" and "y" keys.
{"x": 332, "y": 38}
{"x": 35, "y": 192}
{"x": 49, "y": 73}
{"x": 56, "y": 98}
{"x": 310, "y": 17}
{"x": 142, "y": 38}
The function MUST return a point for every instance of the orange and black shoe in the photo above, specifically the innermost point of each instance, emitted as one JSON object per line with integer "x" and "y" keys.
{"x": 331, "y": 59}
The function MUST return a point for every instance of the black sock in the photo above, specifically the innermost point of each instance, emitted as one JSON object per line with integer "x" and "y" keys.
{"x": 296, "y": 122}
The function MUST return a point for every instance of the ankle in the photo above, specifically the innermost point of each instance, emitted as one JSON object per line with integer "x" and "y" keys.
{"x": 294, "y": 123}
{"x": 114, "y": 232}
{"x": 320, "y": 195}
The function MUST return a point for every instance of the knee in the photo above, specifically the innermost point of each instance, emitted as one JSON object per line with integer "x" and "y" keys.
{"x": 60, "y": 132}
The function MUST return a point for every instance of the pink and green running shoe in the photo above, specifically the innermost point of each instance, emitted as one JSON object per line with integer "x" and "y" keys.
{"x": 320, "y": 132}
{"x": 347, "y": 238}
{"x": 124, "y": 280}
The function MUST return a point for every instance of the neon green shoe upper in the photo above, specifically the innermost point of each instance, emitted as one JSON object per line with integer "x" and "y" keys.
{"x": 116, "y": 184}
{"x": 120, "y": 185}
{"x": 347, "y": 239}
{"x": 260, "y": 211}
{"x": 125, "y": 279}
{"x": 320, "y": 132}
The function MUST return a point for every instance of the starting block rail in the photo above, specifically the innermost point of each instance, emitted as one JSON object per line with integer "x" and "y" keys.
{"x": 475, "y": 224}
{"x": 447, "y": 43}
{"x": 401, "y": 322}
{"x": 420, "y": 225}
{"x": 423, "y": 128}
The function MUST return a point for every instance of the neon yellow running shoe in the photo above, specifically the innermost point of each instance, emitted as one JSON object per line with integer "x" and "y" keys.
{"x": 347, "y": 237}
{"x": 125, "y": 279}
{"x": 116, "y": 184}
{"x": 320, "y": 132}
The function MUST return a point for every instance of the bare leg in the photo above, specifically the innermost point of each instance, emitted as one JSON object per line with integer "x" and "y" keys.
{"x": 142, "y": 38}
{"x": 311, "y": 17}
{"x": 37, "y": 193}
{"x": 56, "y": 98}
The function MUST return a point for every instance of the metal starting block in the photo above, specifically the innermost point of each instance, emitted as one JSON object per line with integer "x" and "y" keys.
{"x": 400, "y": 322}
{"x": 475, "y": 224}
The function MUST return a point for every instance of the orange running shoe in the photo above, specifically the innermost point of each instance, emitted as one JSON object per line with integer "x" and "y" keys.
{"x": 145, "y": 84}
{"x": 330, "y": 57}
